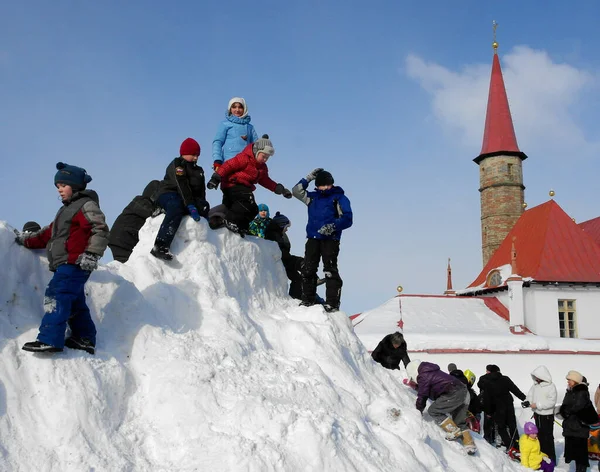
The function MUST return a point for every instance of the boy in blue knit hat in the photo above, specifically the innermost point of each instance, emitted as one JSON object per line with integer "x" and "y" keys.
{"x": 75, "y": 241}
{"x": 259, "y": 225}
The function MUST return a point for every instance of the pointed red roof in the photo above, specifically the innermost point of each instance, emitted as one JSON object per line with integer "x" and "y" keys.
{"x": 592, "y": 227}
{"x": 499, "y": 133}
{"x": 551, "y": 247}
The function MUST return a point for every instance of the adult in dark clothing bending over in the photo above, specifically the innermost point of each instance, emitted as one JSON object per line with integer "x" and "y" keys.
{"x": 390, "y": 351}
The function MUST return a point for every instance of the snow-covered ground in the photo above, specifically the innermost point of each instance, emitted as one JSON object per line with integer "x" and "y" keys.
{"x": 205, "y": 364}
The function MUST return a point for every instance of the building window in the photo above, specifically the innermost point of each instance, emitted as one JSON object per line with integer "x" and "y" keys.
{"x": 509, "y": 171}
{"x": 567, "y": 319}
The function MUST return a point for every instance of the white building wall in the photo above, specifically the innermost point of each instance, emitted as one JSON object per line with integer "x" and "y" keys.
{"x": 541, "y": 309}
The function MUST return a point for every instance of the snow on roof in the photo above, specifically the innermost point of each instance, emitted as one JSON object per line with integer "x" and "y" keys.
{"x": 432, "y": 323}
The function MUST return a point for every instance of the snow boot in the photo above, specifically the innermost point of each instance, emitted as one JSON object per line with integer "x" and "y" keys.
{"x": 452, "y": 431}
{"x": 306, "y": 303}
{"x": 330, "y": 308}
{"x": 81, "y": 344}
{"x": 468, "y": 443}
{"x": 234, "y": 228}
{"x": 38, "y": 346}
{"x": 162, "y": 252}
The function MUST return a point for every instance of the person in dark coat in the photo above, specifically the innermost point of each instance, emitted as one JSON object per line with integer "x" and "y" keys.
{"x": 181, "y": 192}
{"x": 489, "y": 427}
{"x": 450, "y": 399}
{"x": 498, "y": 399}
{"x": 276, "y": 231}
{"x": 575, "y": 431}
{"x": 456, "y": 372}
{"x": 390, "y": 351}
{"x": 124, "y": 234}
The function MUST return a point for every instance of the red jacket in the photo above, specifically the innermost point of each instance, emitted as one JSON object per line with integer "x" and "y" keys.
{"x": 245, "y": 170}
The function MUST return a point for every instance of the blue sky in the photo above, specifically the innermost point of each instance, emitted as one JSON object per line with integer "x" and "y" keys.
{"x": 389, "y": 96}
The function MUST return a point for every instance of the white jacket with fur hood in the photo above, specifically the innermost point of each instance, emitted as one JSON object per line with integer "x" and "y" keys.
{"x": 543, "y": 394}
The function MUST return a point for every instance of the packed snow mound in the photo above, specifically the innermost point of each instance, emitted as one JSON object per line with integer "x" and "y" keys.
{"x": 203, "y": 363}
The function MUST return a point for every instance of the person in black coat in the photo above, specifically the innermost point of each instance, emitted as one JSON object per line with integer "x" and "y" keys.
{"x": 498, "y": 400}
{"x": 124, "y": 232}
{"x": 276, "y": 231}
{"x": 575, "y": 430}
{"x": 489, "y": 427}
{"x": 456, "y": 372}
{"x": 391, "y": 350}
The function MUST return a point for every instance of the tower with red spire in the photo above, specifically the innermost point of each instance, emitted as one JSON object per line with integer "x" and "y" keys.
{"x": 500, "y": 167}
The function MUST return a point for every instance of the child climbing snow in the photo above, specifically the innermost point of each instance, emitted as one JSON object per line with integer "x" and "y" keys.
{"x": 75, "y": 241}
{"x": 238, "y": 177}
{"x": 259, "y": 225}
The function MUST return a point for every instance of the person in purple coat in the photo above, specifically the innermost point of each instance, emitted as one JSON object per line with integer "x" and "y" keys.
{"x": 450, "y": 400}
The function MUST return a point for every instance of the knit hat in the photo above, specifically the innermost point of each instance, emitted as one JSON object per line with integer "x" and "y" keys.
{"x": 263, "y": 207}
{"x": 323, "y": 178}
{"x": 263, "y": 145}
{"x": 189, "y": 147}
{"x": 492, "y": 368}
{"x": 281, "y": 220}
{"x": 31, "y": 227}
{"x": 238, "y": 100}
{"x": 574, "y": 376}
{"x": 530, "y": 428}
{"x": 452, "y": 367}
{"x": 412, "y": 369}
{"x": 74, "y": 176}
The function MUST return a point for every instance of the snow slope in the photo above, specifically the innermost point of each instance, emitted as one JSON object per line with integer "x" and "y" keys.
{"x": 203, "y": 364}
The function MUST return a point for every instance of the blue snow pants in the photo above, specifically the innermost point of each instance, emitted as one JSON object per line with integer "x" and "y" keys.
{"x": 64, "y": 302}
{"x": 172, "y": 203}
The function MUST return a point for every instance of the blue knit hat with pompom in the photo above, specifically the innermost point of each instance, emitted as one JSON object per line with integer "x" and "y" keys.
{"x": 76, "y": 177}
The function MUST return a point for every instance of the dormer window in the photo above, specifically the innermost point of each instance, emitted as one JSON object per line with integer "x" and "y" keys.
{"x": 494, "y": 278}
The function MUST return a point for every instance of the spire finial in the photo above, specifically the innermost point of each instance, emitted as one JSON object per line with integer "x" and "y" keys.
{"x": 449, "y": 290}
{"x": 495, "y": 44}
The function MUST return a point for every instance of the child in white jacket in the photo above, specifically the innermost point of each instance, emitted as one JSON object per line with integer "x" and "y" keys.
{"x": 542, "y": 399}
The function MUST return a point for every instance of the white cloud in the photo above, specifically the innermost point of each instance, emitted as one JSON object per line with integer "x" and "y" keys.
{"x": 545, "y": 98}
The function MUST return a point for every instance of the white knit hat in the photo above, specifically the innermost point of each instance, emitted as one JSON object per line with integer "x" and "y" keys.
{"x": 238, "y": 100}
{"x": 412, "y": 369}
{"x": 575, "y": 376}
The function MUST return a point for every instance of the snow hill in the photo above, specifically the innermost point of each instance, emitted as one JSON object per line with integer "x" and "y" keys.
{"x": 204, "y": 364}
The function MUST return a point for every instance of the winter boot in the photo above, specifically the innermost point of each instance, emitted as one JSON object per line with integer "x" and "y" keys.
{"x": 234, "y": 228}
{"x": 452, "y": 431}
{"x": 81, "y": 344}
{"x": 330, "y": 308}
{"x": 38, "y": 346}
{"x": 162, "y": 252}
{"x": 468, "y": 443}
{"x": 306, "y": 303}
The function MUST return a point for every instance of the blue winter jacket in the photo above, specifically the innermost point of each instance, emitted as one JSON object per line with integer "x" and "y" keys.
{"x": 228, "y": 141}
{"x": 324, "y": 207}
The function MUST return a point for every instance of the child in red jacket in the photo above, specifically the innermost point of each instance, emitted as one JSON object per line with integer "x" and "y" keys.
{"x": 75, "y": 241}
{"x": 238, "y": 177}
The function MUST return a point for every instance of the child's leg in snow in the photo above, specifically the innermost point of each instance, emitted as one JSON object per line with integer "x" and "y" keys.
{"x": 174, "y": 212}
{"x": 81, "y": 323}
{"x": 312, "y": 256}
{"x": 447, "y": 404}
{"x": 62, "y": 291}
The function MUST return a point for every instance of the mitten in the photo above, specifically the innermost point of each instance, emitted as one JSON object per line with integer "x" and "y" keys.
{"x": 19, "y": 237}
{"x": 313, "y": 175}
{"x": 327, "y": 230}
{"x": 194, "y": 212}
{"x": 214, "y": 181}
{"x": 281, "y": 190}
{"x": 88, "y": 261}
{"x": 525, "y": 404}
{"x": 216, "y": 165}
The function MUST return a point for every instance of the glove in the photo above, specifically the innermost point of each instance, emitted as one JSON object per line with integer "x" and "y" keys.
{"x": 194, "y": 212}
{"x": 313, "y": 175}
{"x": 214, "y": 181}
{"x": 216, "y": 165}
{"x": 525, "y": 404}
{"x": 88, "y": 261}
{"x": 203, "y": 207}
{"x": 19, "y": 238}
{"x": 327, "y": 230}
{"x": 281, "y": 190}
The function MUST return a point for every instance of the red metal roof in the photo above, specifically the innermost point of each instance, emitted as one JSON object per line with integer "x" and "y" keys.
{"x": 550, "y": 246}
{"x": 499, "y": 133}
{"x": 592, "y": 227}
